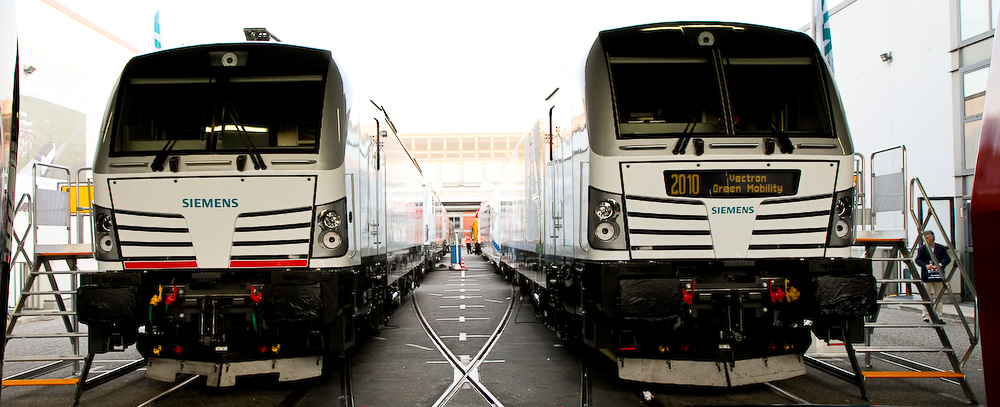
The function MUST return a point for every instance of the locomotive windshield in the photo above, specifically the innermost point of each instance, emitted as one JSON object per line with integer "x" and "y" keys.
{"x": 673, "y": 97}
{"x": 206, "y": 115}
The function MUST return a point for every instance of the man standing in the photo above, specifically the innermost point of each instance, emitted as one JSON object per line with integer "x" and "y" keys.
{"x": 933, "y": 274}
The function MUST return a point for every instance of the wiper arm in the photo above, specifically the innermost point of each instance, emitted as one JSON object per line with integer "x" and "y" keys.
{"x": 255, "y": 157}
{"x": 161, "y": 157}
{"x": 682, "y": 144}
{"x": 784, "y": 143}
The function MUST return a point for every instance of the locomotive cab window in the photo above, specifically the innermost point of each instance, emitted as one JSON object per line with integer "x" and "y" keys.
{"x": 657, "y": 97}
{"x": 781, "y": 95}
{"x": 194, "y": 115}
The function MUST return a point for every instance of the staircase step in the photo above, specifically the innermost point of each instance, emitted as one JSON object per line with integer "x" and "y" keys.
{"x": 43, "y": 358}
{"x": 44, "y": 313}
{"x": 902, "y": 301}
{"x": 902, "y": 325}
{"x": 863, "y": 349}
{"x": 48, "y": 292}
{"x": 41, "y": 382}
{"x": 907, "y": 374}
{"x": 44, "y": 336}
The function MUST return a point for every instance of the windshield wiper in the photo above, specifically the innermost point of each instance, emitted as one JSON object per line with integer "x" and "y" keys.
{"x": 161, "y": 157}
{"x": 682, "y": 144}
{"x": 784, "y": 143}
{"x": 255, "y": 157}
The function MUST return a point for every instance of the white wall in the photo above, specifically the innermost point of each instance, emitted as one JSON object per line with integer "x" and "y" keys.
{"x": 908, "y": 101}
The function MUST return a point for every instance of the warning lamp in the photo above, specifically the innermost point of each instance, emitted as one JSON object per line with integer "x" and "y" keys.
{"x": 157, "y": 349}
{"x": 178, "y": 349}
{"x": 276, "y": 348}
{"x": 262, "y": 349}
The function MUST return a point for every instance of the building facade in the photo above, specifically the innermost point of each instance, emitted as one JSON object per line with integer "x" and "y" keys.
{"x": 461, "y": 167}
{"x": 914, "y": 74}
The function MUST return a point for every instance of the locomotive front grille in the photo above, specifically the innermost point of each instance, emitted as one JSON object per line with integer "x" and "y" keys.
{"x": 791, "y": 227}
{"x": 673, "y": 228}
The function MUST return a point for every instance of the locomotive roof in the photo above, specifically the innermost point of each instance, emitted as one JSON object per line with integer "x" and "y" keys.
{"x": 206, "y": 59}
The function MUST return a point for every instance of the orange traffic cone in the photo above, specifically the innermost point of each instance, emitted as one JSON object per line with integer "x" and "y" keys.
{"x": 463, "y": 263}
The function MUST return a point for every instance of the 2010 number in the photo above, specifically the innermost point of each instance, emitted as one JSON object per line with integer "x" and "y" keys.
{"x": 685, "y": 184}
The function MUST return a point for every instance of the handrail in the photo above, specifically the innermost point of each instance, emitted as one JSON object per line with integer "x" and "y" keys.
{"x": 82, "y": 210}
{"x": 906, "y": 228}
{"x": 34, "y": 193}
{"x": 859, "y": 194}
{"x": 956, "y": 264}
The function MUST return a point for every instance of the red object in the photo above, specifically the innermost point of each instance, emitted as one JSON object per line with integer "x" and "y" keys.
{"x": 262, "y": 348}
{"x": 172, "y": 298}
{"x": 184, "y": 264}
{"x": 268, "y": 263}
{"x": 777, "y": 293}
{"x": 255, "y": 295}
{"x": 985, "y": 223}
{"x": 688, "y": 294}
{"x": 178, "y": 349}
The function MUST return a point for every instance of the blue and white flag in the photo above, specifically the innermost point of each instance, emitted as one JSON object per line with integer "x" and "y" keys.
{"x": 156, "y": 30}
{"x": 822, "y": 24}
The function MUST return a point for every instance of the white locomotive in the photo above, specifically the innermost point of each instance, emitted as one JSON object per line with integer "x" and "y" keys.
{"x": 253, "y": 213}
{"x": 684, "y": 204}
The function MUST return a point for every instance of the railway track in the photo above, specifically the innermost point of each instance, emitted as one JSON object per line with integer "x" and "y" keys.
{"x": 465, "y": 371}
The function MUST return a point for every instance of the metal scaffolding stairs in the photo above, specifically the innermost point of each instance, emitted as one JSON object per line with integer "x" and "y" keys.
{"x": 898, "y": 288}
{"x": 894, "y": 276}
{"x": 41, "y": 269}
{"x": 52, "y": 204}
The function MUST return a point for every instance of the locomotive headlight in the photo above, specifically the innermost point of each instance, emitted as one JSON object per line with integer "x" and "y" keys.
{"x": 842, "y": 229}
{"x": 331, "y": 240}
{"x": 844, "y": 205}
{"x": 329, "y": 219}
{"x": 103, "y": 223}
{"x": 607, "y": 209}
{"x": 105, "y": 244}
{"x": 604, "y": 224}
{"x": 605, "y": 231}
{"x": 105, "y": 239}
{"x": 331, "y": 232}
{"x": 842, "y": 222}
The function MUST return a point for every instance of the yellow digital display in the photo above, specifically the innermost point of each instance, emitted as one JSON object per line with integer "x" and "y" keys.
{"x": 732, "y": 183}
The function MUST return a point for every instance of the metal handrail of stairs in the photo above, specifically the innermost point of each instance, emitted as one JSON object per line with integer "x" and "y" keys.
{"x": 956, "y": 266}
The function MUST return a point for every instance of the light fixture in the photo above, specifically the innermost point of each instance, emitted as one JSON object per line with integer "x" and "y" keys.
{"x": 259, "y": 34}
{"x": 886, "y": 57}
{"x": 29, "y": 70}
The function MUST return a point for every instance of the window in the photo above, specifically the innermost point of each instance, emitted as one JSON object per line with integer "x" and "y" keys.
{"x": 468, "y": 143}
{"x": 673, "y": 97}
{"x": 451, "y": 144}
{"x": 484, "y": 142}
{"x": 974, "y": 93}
{"x": 976, "y": 17}
{"x": 420, "y": 144}
{"x": 231, "y": 114}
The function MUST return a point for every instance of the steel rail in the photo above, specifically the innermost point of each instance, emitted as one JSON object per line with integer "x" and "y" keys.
{"x": 169, "y": 391}
{"x": 784, "y": 393}
{"x": 466, "y": 371}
